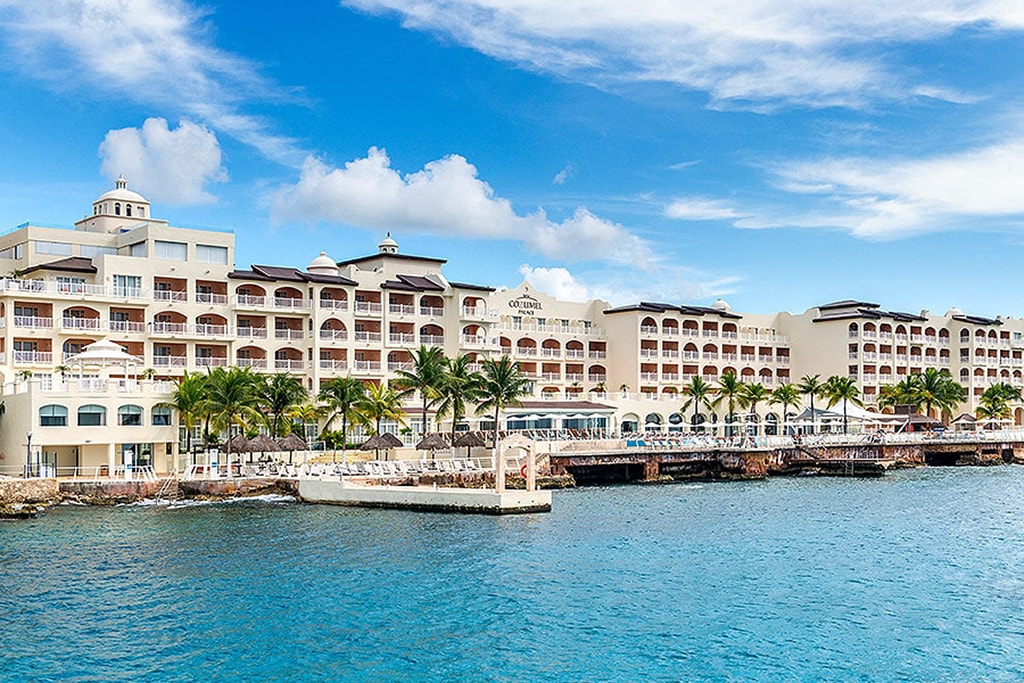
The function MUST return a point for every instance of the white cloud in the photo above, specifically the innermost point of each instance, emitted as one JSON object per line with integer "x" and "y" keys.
{"x": 446, "y": 198}
{"x": 621, "y": 287}
{"x": 701, "y": 209}
{"x": 564, "y": 175}
{"x": 886, "y": 198}
{"x": 152, "y": 52}
{"x": 683, "y": 165}
{"x": 741, "y": 53}
{"x": 172, "y": 166}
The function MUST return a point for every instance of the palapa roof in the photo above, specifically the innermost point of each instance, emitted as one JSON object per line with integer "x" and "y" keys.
{"x": 431, "y": 442}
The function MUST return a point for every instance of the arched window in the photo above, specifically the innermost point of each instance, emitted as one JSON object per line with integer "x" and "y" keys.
{"x": 117, "y": 208}
{"x": 127, "y": 209}
{"x": 53, "y": 416}
{"x": 161, "y": 415}
{"x": 129, "y": 416}
{"x": 92, "y": 416}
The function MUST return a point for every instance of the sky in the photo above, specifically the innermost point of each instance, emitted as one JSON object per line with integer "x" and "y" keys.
{"x": 776, "y": 153}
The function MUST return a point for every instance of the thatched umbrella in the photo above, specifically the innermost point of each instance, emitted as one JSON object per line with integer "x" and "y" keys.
{"x": 262, "y": 444}
{"x": 383, "y": 441}
{"x": 291, "y": 443}
{"x": 469, "y": 440}
{"x": 238, "y": 444}
{"x": 431, "y": 442}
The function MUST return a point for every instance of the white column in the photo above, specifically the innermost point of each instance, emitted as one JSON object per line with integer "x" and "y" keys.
{"x": 531, "y": 469}
{"x": 110, "y": 458}
{"x": 499, "y": 468}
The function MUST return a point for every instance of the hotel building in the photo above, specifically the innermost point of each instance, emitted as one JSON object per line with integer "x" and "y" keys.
{"x": 98, "y": 320}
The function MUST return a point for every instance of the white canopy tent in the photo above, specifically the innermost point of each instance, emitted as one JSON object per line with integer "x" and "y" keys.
{"x": 105, "y": 355}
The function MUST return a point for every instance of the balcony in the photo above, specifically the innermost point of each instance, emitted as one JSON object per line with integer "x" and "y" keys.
{"x": 170, "y": 295}
{"x": 575, "y": 353}
{"x": 648, "y": 353}
{"x": 597, "y": 378}
{"x": 170, "y": 361}
{"x": 250, "y": 332}
{"x": 729, "y": 357}
{"x": 668, "y": 353}
{"x": 574, "y": 377}
{"x": 691, "y": 355}
{"x": 598, "y": 355}
{"x": 401, "y": 309}
{"x": 670, "y": 377}
{"x": 334, "y": 304}
{"x": 710, "y": 356}
{"x": 333, "y": 365}
{"x": 289, "y": 364}
{"x": 33, "y": 357}
{"x": 33, "y": 322}
{"x": 211, "y": 298}
{"x": 291, "y": 302}
{"x": 246, "y": 301}
{"x": 211, "y": 361}
{"x": 364, "y": 336}
{"x": 166, "y": 328}
{"x": 432, "y": 339}
{"x": 367, "y": 366}
{"x": 401, "y": 338}
{"x": 81, "y": 324}
{"x": 205, "y": 330}
{"x": 395, "y": 366}
{"x": 127, "y": 326}
{"x": 670, "y": 331}
{"x": 551, "y": 376}
{"x": 526, "y": 350}
{"x": 431, "y": 311}
{"x": 649, "y": 376}
{"x": 286, "y": 333}
{"x": 648, "y": 331}
{"x": 475, "y": 341}
{"x": 369, "y": 307}
{"x": 333, "y": 335}
{"x": 255, "y": 363}
{"x": 551, "y": 353}
{"x": 474, "y": 312}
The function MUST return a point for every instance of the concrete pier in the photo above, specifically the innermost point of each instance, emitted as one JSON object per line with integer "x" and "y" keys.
{"x": 426, "y": 498}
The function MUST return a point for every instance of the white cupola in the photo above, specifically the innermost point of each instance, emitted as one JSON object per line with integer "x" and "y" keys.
{"x": 323, "y": 265}
{"x": 388, "y": 245}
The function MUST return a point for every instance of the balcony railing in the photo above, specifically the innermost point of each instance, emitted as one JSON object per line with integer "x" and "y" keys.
{"x": 251, "y": 332}
{"x": 170, "y": 361}
{"x": 575, "y": 353}
{"x": 431, "y": 311}
{"x": 211, "y": 298}
{"x": 333, "y": 335}
{"x": 130, "y": 326}
{"x": 598, "y": 354}
{"x": 332, "y": 364}
{"x": 474, "y": 312}
{"x": 364, "y": 336}
{"x": 373, "y": 307}
{"x": 401, "y": 309}
{"x": 432, "y": 339}
{"x": 291, "y": 302}
{"x": 247, "y": 301}
{"x": 170, "y": 295}
{"x": 33, "y": 357}
{"x": 160, "y": 327}
{"x": 206, "y": 330}
{"x": 402, "y": 338}
{"x": 395, "y": 366}
{"x": 285, "y": 333}
{"x": 289, "y": 364}
{"x": 211, "y": 361}
{"x": 257, "y": 363}
{"x": 367, "y": 366}
{"x": 526, "y": 350}
{"x": 33, "y": 321}
{"x": 334, "y": 304}
{"x": 83, "y": 324}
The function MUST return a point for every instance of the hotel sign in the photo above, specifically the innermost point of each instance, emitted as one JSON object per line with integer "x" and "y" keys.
{"x": 525, "y": 304}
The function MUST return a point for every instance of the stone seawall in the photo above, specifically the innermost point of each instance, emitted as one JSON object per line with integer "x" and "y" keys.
{"x": 26, "y": 497}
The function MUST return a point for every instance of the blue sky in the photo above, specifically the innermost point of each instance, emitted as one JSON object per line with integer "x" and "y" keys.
{"x": 779, "y": 153}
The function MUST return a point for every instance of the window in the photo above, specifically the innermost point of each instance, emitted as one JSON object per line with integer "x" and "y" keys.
{"x": 208, "y": 254}
{"x": 70, "y": 285}
{"x": 127, "y": 285}
{"x": 53, "y": 416}
{"x": 55, "y": 248}
{"x": 15, "y": 252}
{"x": 92, "y": 416}
{"x": 137, "y": 250}
{"x": 92, "y": 251}
{"x": 127, "y": 209}
{"x": 117, "y": 208}
{"x": 170, "y": 251}
{"x": 129, "y": 416}
{"x": 161, "y": 416}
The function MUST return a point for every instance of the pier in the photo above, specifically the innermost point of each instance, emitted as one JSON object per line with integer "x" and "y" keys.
{"x": 425, "y": 498}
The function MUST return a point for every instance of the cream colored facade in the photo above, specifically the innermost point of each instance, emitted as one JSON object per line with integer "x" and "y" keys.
{"x": 172, "y": 298}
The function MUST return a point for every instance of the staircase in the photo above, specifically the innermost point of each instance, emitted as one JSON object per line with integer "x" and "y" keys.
{"x": 169, "y": 490}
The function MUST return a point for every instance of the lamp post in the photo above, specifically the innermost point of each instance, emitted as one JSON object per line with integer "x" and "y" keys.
{"x": 28, "y": 455}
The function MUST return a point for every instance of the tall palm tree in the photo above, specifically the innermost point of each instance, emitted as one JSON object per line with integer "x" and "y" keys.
{"x": 428, "y": 363}
{"x": 341, "y": 395}
{"x": 504, "y": 384}
{"x": 379, "y": 403}
{"x": 730, "y": 390}
{"x": 459, "y": 386}
{"x": 840, "y": 388}
{"x": 189, "y": 401}
{"x": 698, "y": 394}
{"x": 938, "y": 389}
{"x": 232, "y": 398}
{"x": 906, "y": 392}
{"x": 753, "y": 395}
{"x": 811, "y": 385}
{"x": 785, "y": 395}
{"x": 994, "y": 402}
{"x": 279, "y": 393}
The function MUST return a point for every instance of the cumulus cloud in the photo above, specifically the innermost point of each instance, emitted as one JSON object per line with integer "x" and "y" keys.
{"x": 799, "y": 51}
{"x": 448, "y": 198}
{"x": 620, "y": 287}
{"x": 172, "y": 166}
{"x": 148, "y": 52}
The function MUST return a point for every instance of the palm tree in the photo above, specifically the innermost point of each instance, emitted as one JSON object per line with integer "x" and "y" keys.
{"x": 189, "y": 401}
{"x": 994, "y": 402}
{"x": 785, "y": 395}
{"x": 232, "y": 399}
{"x": 459, "y": 385}
{"x": 699, "y": 394}
{"x": 811, "y": 385}
{"x": 341, "y": 396}
{"x": 278, "y": 394}
{"x": 504, "y": 384}
{"x": 730, "y": 390}
{"x": 906, "y": 392}
{"x": 753, "y": 395}
{"x": 428, "y": 363}
{"x": 937, "y": 388}
{"x": 379, "y": 403}
{"x": 839, "y": 388}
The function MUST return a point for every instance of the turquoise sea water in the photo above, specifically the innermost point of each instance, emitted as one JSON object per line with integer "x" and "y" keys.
{"x": 917, "y": 576}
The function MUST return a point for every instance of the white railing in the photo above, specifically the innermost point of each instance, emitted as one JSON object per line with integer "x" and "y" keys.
{"x": 258, "y": 363}
{"x": 289, "y": 364}
{"x": 69, "y": 323}
{"x": 401, "y": 338}
{"x": 598, "y": 354}
{"x": 367, "y": 366}
{"x": 250, "y": 332}
{"x": 368, "y": 307}
{"x": 401, "y": 309}
{"x": 160, "y": 327}
{"x": 33, "y": 321}
{"x": 334, "y": 304}
{"x": 432, "y": 339}
{"x": 211, "y": 361}
{"x": 285, "y": 333}
{"x": 394, "y": 366}
{"x": 431, "y": 311}
{"x": 575, "y": 353}
{"x": 170, "y": 295}
{"x": 550, "y": 353}
{"x": 475, "y": 312}
{"x": 364, "y": 336}
{"x": 332, "y": 364}
{"x": 597, "y": 379}
{"x": 170, "y": 361}
{"x": 211, "y": 298}
{"x": 333, "y": 335}
{"x": 205, "y": 330}
{"x": 526, "y": 350}
{"x": 131, "y": 326}
{"x": 248, "y": 301}
{"x": 33, "y": 357}
{"x": 291, "y": 302}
